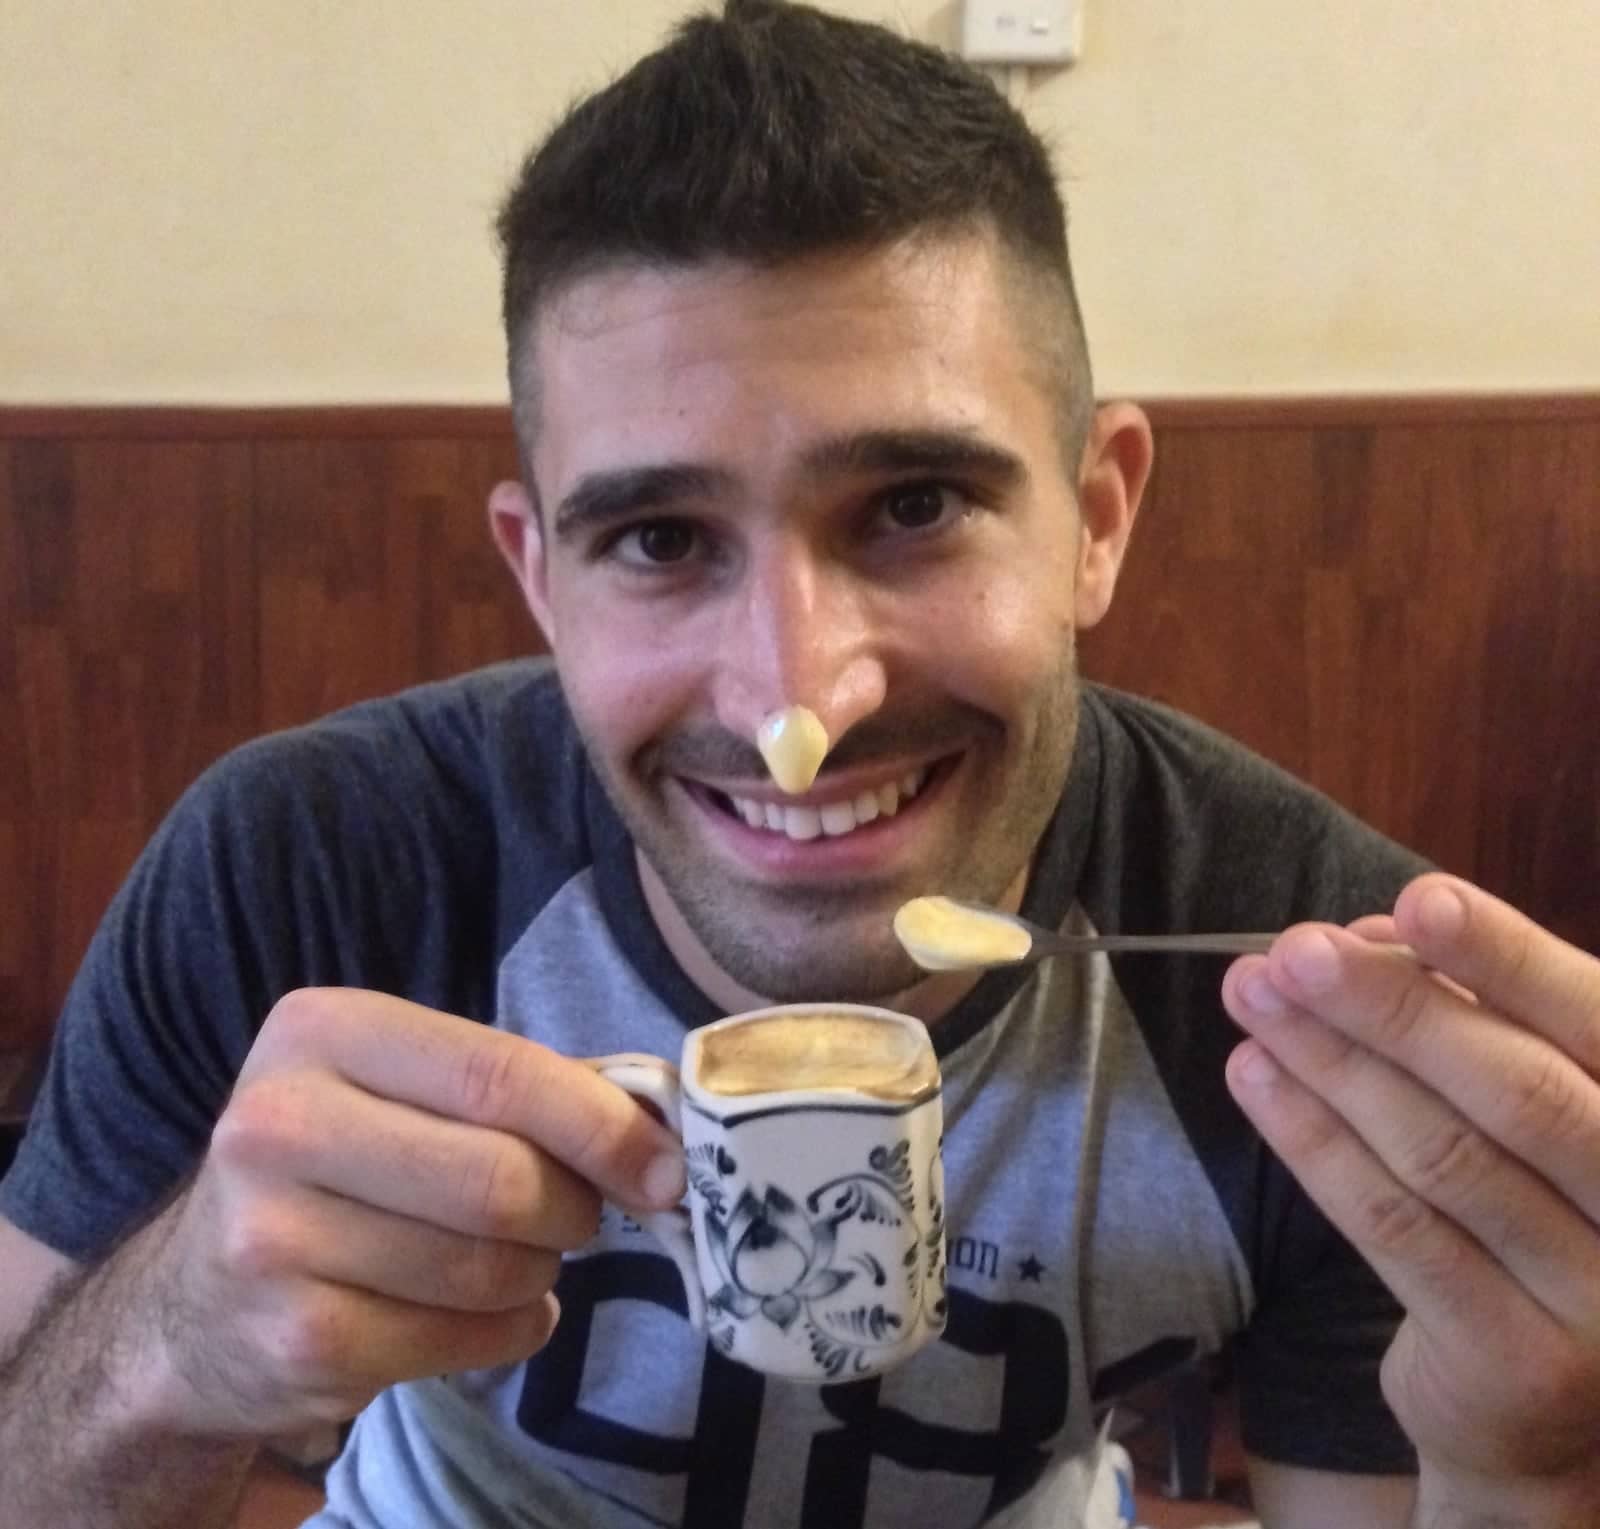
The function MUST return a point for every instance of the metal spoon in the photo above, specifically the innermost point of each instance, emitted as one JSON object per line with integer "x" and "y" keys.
{"x": 1050, "y": 942}
{"x": 1044, "y": 943}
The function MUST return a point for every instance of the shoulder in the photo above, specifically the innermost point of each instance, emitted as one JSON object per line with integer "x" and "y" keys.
{"x": 397, "y": 845}
{"x": 381, "y": 846}
{"x": 1227, "y": 832}
{"x": 1151, "y": 748}
{"x": 459, "y": 731}
{"x": 445, "y": 757}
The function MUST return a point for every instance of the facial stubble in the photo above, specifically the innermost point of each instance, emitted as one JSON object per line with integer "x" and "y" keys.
{"x": 801, "y": 942}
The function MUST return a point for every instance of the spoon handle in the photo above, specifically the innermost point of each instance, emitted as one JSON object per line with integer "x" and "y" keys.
{"x": 1046, "y": 944}
{"x": 1083, "y": 944}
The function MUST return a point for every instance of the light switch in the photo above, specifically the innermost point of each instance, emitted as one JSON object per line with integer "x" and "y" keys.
{"x": 1022, "y": 31}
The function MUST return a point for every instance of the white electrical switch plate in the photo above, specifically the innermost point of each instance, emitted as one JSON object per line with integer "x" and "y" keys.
{"x": 1022, "y": 31}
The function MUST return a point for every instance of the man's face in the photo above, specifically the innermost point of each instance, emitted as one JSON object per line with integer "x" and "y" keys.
{"x": 838, "y": 484}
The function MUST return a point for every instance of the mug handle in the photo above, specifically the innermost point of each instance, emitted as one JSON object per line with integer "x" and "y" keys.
{"x": 655, "y": 1082}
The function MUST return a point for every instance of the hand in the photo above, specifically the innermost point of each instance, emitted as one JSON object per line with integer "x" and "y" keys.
{"x": 1446, "y": 1117}
{"x": 386, "y": 1196}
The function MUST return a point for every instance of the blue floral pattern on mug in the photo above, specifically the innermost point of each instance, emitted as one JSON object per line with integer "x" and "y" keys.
{"x": 781, "y": 1261}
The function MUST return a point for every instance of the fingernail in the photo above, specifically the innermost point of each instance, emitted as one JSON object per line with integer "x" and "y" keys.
{"x": 664, "y": 1181}
{"x": 1442, "y": 913}
{"x": 1313, "y": 961}
{"x": 1260, "y": 995}
{"x": 1255, "y": 1067}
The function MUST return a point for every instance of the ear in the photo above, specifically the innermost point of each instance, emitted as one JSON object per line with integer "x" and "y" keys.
{"x": 1111, "y": 482}
{"x": 519, "y": 534}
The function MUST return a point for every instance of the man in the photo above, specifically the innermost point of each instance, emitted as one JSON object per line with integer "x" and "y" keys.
{"x": 805, "y": 417}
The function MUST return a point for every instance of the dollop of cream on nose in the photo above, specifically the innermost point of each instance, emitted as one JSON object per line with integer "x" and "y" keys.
{"x": 794, "y": 743}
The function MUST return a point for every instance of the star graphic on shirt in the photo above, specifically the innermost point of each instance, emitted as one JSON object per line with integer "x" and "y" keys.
{"x": 1030, "y": 1268}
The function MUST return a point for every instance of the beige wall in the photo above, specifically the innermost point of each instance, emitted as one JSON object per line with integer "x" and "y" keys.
{"x": 208, "y": 201}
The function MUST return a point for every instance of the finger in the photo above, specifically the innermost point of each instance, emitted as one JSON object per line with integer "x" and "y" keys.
{"x": 346, "y": 1344}
{"x": 468, "y": 1071}
{"x": 1431, "y": 1150}
{"x": 312, "y": 1128}
{"x": 311, "y": 1232}
{"x": 1507, "y": 960}
{"x": 1377, "y": 927}
{"x": 1445, "y": 1280}
{"x": 1516, "y": 1087}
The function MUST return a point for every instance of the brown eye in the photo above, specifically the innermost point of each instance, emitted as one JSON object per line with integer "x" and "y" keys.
{"x": 915, "y": 506}
{"x": 661, "y": 541}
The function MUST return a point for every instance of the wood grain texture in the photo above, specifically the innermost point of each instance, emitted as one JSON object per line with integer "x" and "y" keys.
{"x": 1396, "y": 600}
{"x": 164, "y": 599}
{"x": 1407, "y": 615}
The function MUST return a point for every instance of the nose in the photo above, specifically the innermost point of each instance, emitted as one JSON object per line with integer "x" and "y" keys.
{"x": 798, "y": 632}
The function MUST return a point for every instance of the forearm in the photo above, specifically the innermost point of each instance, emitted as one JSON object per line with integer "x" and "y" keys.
{"x": 82, "y": 1443}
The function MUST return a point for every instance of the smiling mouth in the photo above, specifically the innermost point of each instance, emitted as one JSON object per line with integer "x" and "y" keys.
{"x": 834, "y": 819}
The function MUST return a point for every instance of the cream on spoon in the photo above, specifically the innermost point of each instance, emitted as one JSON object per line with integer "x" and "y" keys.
{"x": 942, "y": 935}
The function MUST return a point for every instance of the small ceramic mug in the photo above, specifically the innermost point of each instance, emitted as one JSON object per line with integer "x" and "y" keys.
{"x": 812, "y": 1241}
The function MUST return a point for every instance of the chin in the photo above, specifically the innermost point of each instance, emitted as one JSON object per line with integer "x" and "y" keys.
{"x": 861, "y": 977}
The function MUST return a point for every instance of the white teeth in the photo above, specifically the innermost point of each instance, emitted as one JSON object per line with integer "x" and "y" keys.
{"x": 835, "y": 818}
{"x": 838, "y": 818}
{"x": 802, "y": 822}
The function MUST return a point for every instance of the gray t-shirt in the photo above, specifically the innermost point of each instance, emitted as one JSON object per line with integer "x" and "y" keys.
{"x": 1110, "y": 1212}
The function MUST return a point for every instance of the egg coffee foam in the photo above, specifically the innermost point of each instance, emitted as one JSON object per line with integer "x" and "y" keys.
{"x": 816, "y": 1049}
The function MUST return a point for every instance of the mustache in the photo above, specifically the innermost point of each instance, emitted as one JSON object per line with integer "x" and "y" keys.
{"x": 714, "y": 751}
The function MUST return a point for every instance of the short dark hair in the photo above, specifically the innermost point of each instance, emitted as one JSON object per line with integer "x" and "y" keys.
{"x": 776, "y": 131}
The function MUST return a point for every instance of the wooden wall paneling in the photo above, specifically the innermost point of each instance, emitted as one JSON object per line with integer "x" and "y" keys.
{"x": 1386, "y": 739}
{"x": 323, "y": 548}
{"x": 1540, "y": 829}
{"x": 164, "y": 615}
{"x": 128, "y": 630}
{"x": 1208, "y": 614}
{"x": 470, "y": 610}
{"x": 22, "y": 862}
{"x": 41, "y": 511}
{"x": 1433, "y": 728}
{"x": 376, "y": 569}
{"x": 1405, "y": 613}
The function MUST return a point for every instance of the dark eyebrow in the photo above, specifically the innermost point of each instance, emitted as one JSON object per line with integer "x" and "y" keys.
{"x": 599, "y": 498}
{"x": 925, "y": 451}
